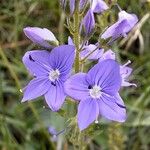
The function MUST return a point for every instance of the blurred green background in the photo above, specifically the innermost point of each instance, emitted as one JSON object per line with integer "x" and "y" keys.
{"x": 24, "y": 126}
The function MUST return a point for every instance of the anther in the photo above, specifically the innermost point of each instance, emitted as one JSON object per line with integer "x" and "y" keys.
{"x": 89, "y": 87}
{"x": 31, "y": 58}
{"x": 21, "y": 90}
{"x": 127, "y": 63}
{"x": 53, "y": 83}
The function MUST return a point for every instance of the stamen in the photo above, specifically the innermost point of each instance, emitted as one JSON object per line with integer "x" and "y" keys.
{"x": 127, "y": 63}
{"x": 21, "y": 90}
{"x": 53, "y": 76}
{"x": 118, "y": 7}
{"x": 96, "y": 121}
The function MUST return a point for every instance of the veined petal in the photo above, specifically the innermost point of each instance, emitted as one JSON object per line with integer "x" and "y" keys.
{"x": 121, "y": 30}
{"x": 109, "y": 32}
{"x": 40, "y": 36}
{"x": 36, "y": 87}
{"x": 88, "y": 111}
{"x": 77, "y": 87}
{"x": 55, "y": 96}
{"x": 112, "y": 108}
{"x": 62, "y": 58}
{"x": 106, "y": 74}
{"x": 37, "y": 62}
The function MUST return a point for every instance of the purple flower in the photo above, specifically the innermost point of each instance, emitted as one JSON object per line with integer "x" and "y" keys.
{"x": 88, "y": 49}
{"x": 124, "y": 24}
{"x": 88, "y": 24}
{"x": 98, "y": 6}
{"x": 125, "y": 71}
{"x": 97, "y": 92}
{"x": 50, "y": 70}
{"x": 42, "y": 37}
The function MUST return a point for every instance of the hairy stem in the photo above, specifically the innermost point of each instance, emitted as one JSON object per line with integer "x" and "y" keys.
{"x": 76, "y": 36}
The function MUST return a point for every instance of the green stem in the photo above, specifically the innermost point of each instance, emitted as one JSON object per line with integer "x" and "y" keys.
{"x": 76, "y": 36}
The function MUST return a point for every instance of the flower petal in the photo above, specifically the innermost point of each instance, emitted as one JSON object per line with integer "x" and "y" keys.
{"x": 131, "y": 18}
{"x": 77, "y": 87}
{"x": 88, "y": 49}
{"x": 112, "y": 108}
{"x": 106, "y": 74}
{"x": 55, "y": 96}
{"x": 62, "y": 58}
{"x": 109, "y": 32}
{"x": 88, "y": 111}
{"x": 36, "y": 87}
{"x": 37, "y": 62}
{"x": 108, "y": 55}
{"x": 40, "y": 36}
{"x": 70, "y": 41}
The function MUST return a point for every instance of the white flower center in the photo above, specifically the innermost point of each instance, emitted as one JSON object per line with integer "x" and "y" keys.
{"x": 54, "y": 75}
{"x": 95, "y": 92}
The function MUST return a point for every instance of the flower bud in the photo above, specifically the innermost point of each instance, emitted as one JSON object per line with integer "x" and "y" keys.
{"x": 124, "y": 25}
{"x": 98, "y": 6}
{"x": 42, "y": 37}
{"x": 88, "y": 24}
{"x": 68, "y": 6}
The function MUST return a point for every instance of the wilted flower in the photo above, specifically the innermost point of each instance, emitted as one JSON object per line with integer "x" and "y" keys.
{"x": 42, "y": 37}
{"x": 98, "y": 93}
{"x": 51, "y": 70}
{"x": 88, "y": 24}
{"x": 98, "y": 6}
{"x": 124, "y": 24}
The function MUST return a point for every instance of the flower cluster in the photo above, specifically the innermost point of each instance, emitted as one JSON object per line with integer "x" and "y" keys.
{"x": 97, "y": 91}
